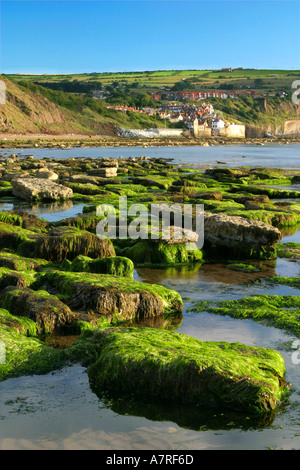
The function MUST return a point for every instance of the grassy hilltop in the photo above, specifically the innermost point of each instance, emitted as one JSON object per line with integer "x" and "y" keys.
{"x": 275, "y": 79}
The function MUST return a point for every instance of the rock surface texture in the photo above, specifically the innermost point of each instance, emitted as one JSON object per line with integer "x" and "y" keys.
{"x": 39, "y": 189}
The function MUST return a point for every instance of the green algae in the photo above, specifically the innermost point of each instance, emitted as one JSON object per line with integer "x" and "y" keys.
{"x": 23, "y": 278}
{"x": 150, "y": 253}
{"x": 282, "y": 312}
{"x": 285, "y": 281}
{"x": 272, "y": 193}
{"x": 176, "y": 367}
{"x": 277, "y": 218}
{"x": 161, "y": 182}
{"x": 10, "y": 218}
{"x": 19, "y": 263}
{"x": 87, "y": 222}
{"x": 84, "y": 190}
{"x": 223, "y": 206}
{"x": 22, "y": 324}
{"x": 246, "y": 268}
{"x": 12, "y": 236}
{"x": 288, "y": 250}
{"x": 127, "y": 189}
{"x": 115, "y": 265}
{"x": 45, "y": 309}
{"x": 66, "y": 242}
{"x": 26, "y": 355}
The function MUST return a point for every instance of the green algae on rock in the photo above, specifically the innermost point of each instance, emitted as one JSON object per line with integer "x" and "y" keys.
{"x": 289, "y": 250}
{"x": 153, "y": 253}
{"x": 245, "y": 268}
{"x": 11, "y": 277}
{"x": 46, "y": 310}
{"x": 22, "y": 324}
{"x": 67, "y": 242}
{"x": 26, "y": 355}
{"x": 107, "y": 295}
{"x": 174, "y": 366}
{"x": 20, "y": 263}
{"x": 115, "y": 265}
{"x": 284, "y": 281}
{"x": 279, "y": 311}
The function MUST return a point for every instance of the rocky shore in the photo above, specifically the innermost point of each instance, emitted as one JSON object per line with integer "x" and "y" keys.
{"x": 70, "y": 140}
{"x": 63, "y": 278}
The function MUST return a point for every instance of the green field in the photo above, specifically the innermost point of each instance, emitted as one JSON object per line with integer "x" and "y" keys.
{"x": 273, "y": 79}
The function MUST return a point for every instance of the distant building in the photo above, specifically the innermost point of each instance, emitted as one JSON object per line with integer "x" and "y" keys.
{"x": 217, "y": 125}
{"x": 99, "y": 94}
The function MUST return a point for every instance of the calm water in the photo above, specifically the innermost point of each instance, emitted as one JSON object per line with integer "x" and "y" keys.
{"x": 271, "y": 155}
{"x": 61, "y": 411}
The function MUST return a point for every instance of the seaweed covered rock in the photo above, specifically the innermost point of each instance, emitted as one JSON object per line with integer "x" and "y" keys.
{"x": 20, "y": 263}
{"x": 115, "y": 265}
{"x": 176, "y": 367}
{"x": 32, "y": 222}
{"x": 47, "y": 311}
{"x": 25, "y": 355}
{"x": 21, "y": 324}
{"x": 12, "y": 236}
{"x": 238, "y": 236}
{"x": 11, "y": 277}
{"x": 66, "y": 243}
{"x": 159, "y": 253}
{"x": 290, "y": 250}
{"x": 110, "y": 296}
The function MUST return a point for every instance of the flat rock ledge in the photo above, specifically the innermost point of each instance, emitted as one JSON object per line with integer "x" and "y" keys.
{"x": 173, "y": 366}
{"x": 39, "y": 189}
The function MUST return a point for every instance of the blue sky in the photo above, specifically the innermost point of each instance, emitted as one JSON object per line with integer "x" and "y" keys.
{"x": 103, "y": 36}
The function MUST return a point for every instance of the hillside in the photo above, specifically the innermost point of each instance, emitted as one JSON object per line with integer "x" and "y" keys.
{"x": 32, "y": 109}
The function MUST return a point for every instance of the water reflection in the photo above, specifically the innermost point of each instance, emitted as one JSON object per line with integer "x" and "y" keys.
{"x": 186, "y": 416}
{"x": 167, "y": 322}
{"x": 291, "y": 234}
{"x": 50, "y": 211}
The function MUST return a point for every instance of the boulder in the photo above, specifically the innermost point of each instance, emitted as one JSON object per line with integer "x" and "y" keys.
{"x": 233, "y": 235}
{"x": 68, "y": 242}
{"x": 157, "y": 363}
{"x": 108, "y": 296}
{"x": 39, "y": 189}
{"x": 47, "y": 174}
{"x": 46, "y": 310}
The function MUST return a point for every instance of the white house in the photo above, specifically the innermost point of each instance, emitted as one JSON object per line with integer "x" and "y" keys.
{"x": 217, "y": 125}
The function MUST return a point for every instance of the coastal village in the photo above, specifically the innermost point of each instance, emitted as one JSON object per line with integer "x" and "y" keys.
{"x": 200, "y": 119}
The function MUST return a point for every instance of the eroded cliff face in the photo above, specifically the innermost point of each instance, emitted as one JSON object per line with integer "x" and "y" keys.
{"x": 29, "y": 112}
{"x": 286, "y": 119}
{"x": 26, "y": 112}
{"x": 292, "y": 127}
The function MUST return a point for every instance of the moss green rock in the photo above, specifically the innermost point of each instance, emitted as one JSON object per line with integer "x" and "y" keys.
{"x": 151, "y": 253}
{"x": 115, "y": 265}
{"x": 110, "y": 296}
{"x": 176, "y": 367}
